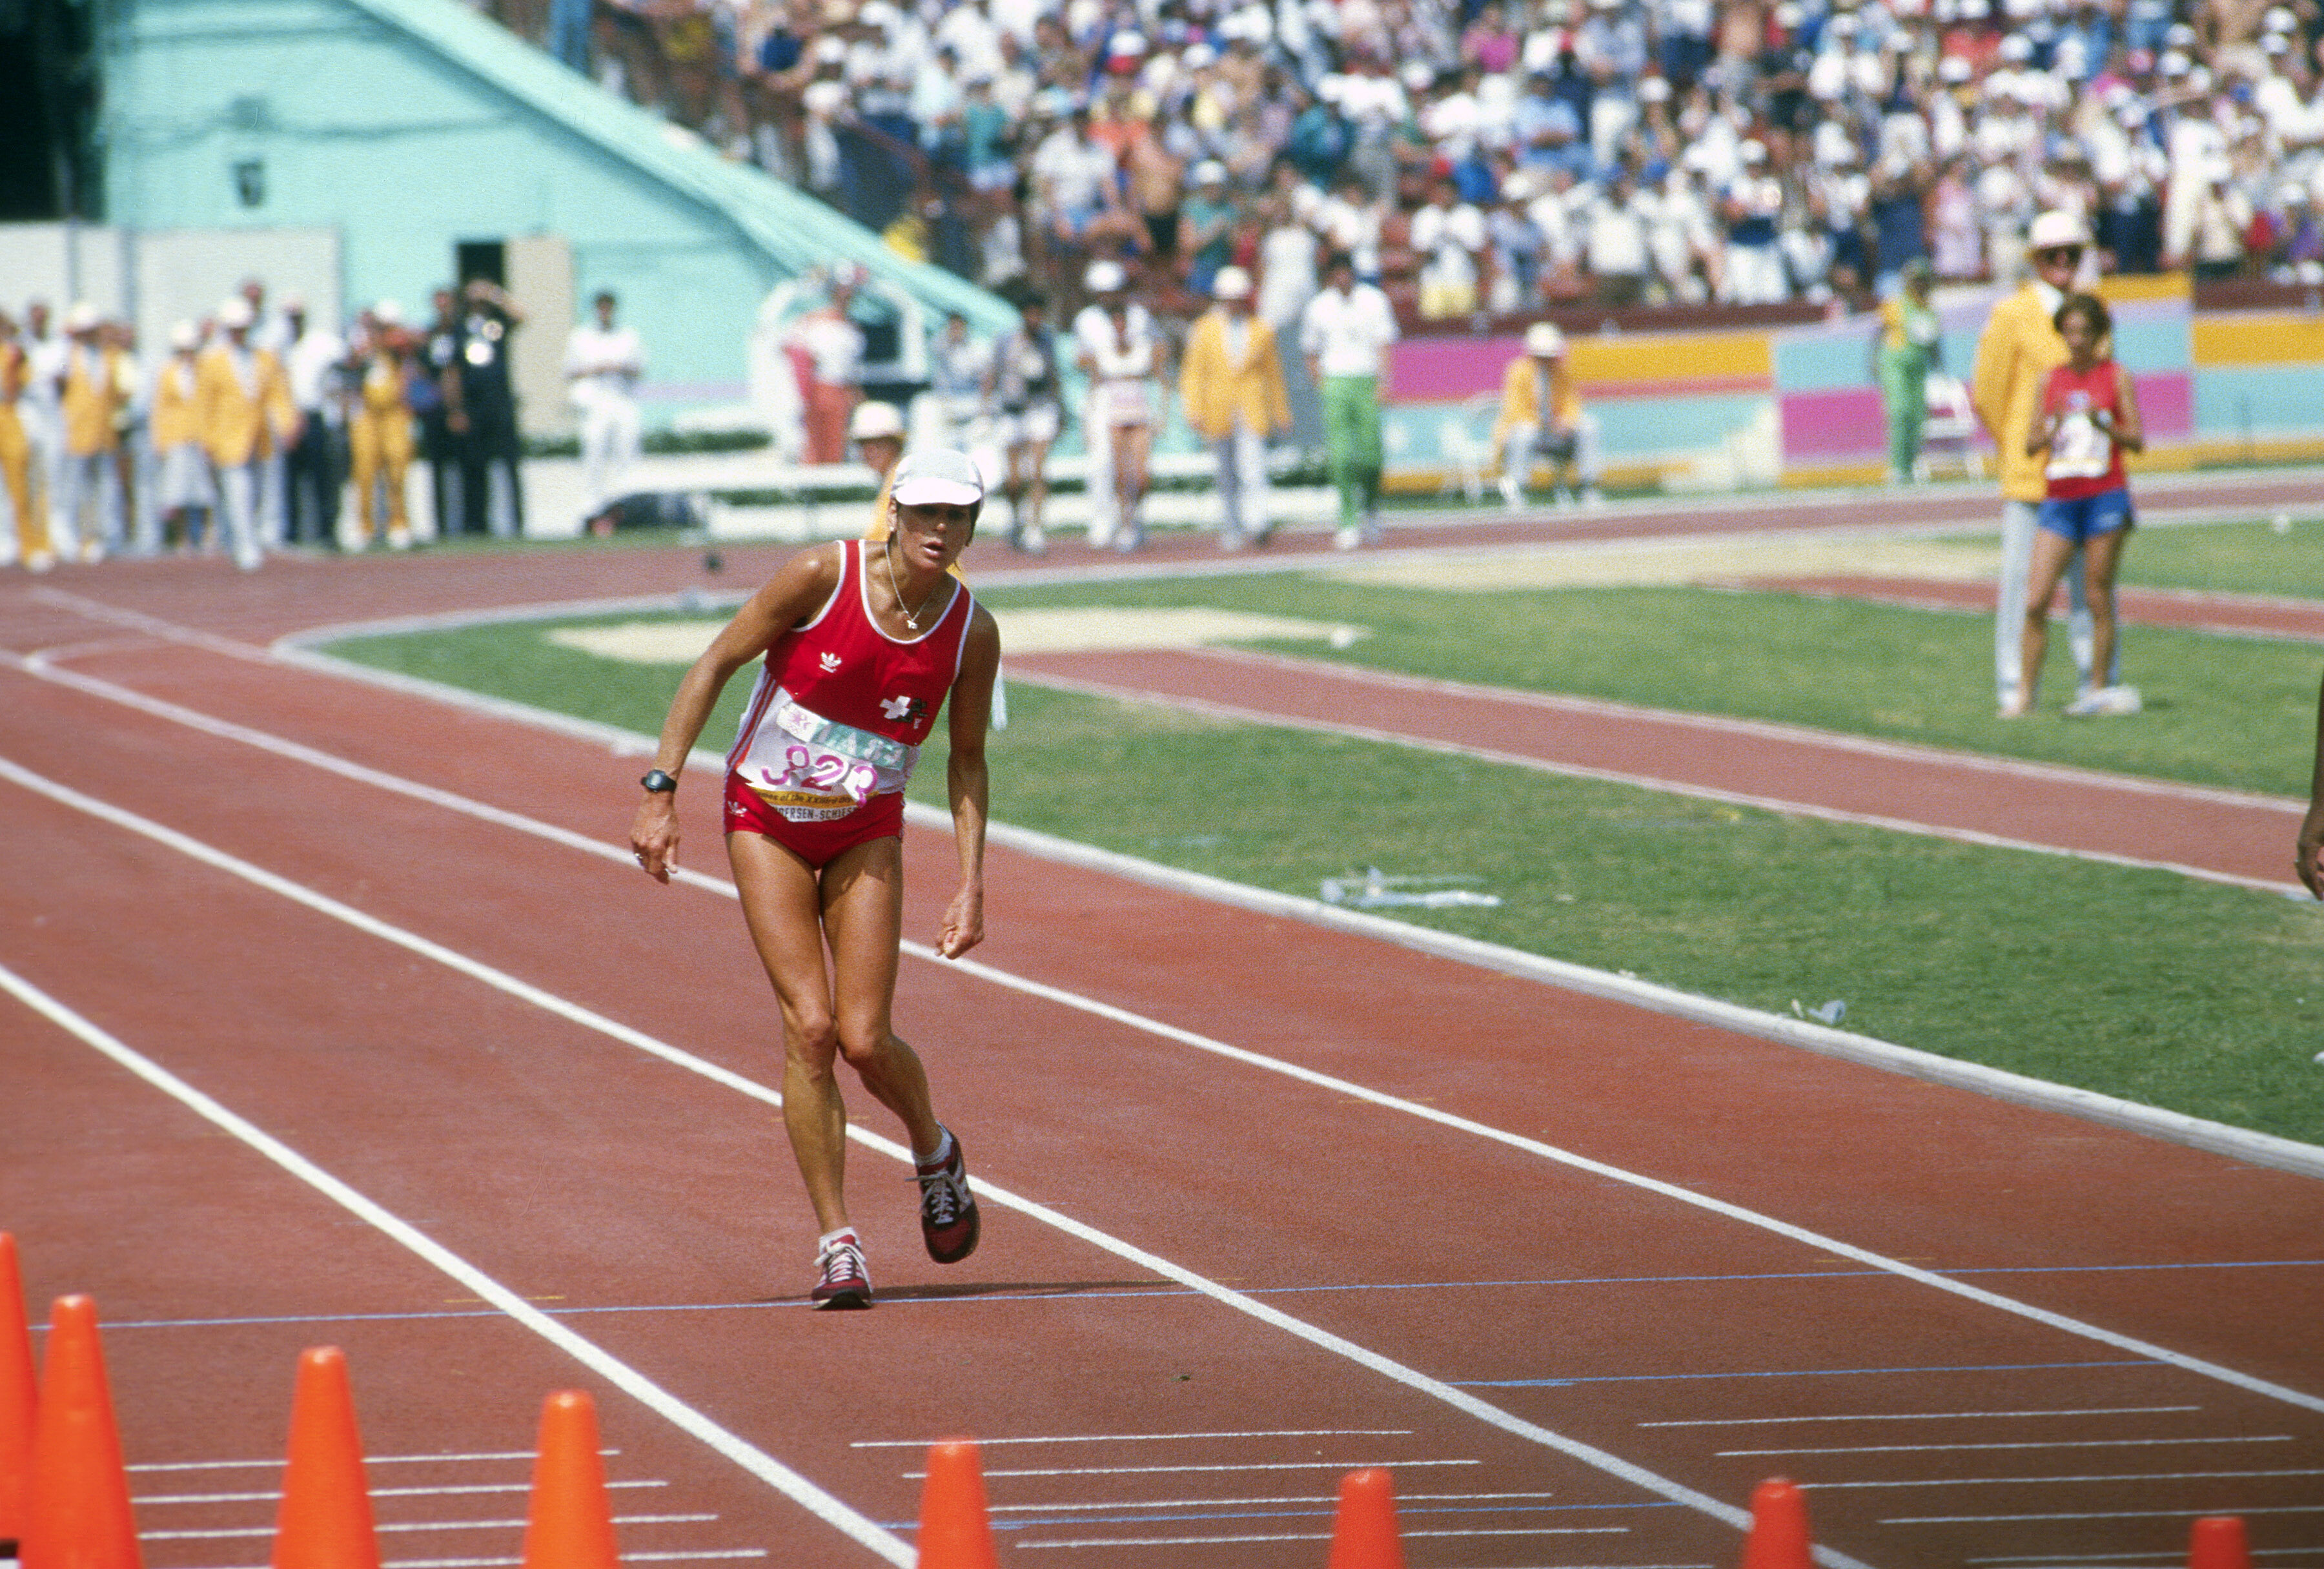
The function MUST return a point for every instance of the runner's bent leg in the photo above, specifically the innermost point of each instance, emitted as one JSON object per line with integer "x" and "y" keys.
{"x": 783, "y": 909}
{"x": 864, "y": 918}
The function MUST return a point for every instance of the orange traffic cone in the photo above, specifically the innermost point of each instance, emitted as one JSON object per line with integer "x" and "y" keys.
{"x": 2218, "y": 1542}
{"x": 570, "y": 1525}
{"x": 1363, "y": 1534}
{"x": 19, "y": 1400}
{"x": 79, "y": 1515}
{"x": 1779, "y": 1528}
{"x": 954, "y": 1532}
{"x": 325, "y": 1521}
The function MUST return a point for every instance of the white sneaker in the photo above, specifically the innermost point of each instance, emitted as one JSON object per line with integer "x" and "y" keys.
{"x": 1349, "y": 538}
{"x": 40, "y": 561}
{"x": 1593, "y": 498}
{"x": 1511, "y": 497}
{"x": 2115, "y": 702}
{"x": 92, "y": 551}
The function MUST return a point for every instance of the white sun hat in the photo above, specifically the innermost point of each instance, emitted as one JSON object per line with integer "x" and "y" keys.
{"x": 938, "y": 476}
{"x": 875, "y": 420}
{"x": 1103, "y": 277}
{"x": 2055, "y": 227}
{"x": 1232, "y": 283}
{"x": 1543, "y": 340}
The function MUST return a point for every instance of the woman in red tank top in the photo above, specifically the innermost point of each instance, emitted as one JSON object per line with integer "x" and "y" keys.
{"x": 2086, "y": 419}
{"x": 863, "y": 643}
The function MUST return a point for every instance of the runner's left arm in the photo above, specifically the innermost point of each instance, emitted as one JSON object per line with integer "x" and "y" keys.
{"x": 2309, "y": 858}
{"x": 969, "y": 782}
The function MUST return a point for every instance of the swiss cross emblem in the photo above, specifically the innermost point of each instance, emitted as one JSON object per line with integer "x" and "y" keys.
{"x": 900, "y": 709}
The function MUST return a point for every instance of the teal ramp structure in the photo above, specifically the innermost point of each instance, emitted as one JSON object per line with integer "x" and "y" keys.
{"x": 413, "y": 127}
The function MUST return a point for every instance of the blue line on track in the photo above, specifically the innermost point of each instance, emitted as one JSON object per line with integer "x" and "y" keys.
{"x": 1037, "y": 1295}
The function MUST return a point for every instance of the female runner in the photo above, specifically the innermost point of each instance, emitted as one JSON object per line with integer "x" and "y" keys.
{"x": 862, "y": 642}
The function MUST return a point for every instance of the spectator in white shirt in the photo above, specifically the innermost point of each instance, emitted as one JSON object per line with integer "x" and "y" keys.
{"x": 603, "y": 364}
{"x": 1345, "y": 337}
{"x": 1617, "y": 246}
{"x": 1448, "y": 234}
{"x": 313, "y": 471}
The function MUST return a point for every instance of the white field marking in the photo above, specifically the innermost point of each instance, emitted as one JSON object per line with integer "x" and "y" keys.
{"x": 1075, "y": 1001}
{"x": 753, "y": 1460}
{"x": 2054, "y": 1481}
{"x": 412, "y": 1526}
{"x": 2152, "y": 1122}
{"x": 1402, "y": 1497}
{"x": 1144, "y": 1437}
{"x": 1083, "y": 629}
{"x": 1772, "y": 730}
{"x": 1921, "y": 1416}
{"x": 1209, "y": 1469}
{"x": 627, "y": 1556}
{"x": 1790, "y": 809}
{"x": 377, "y": 1492}
{"x": 619, "y": 1374}
{"x": 276, "y": 1464}
{"x": 1405, "y": 1532}
{"x": 2040, "y": 1444}
{"x": 2109, "y": 1558}
{"x": 2102, "y": 1515}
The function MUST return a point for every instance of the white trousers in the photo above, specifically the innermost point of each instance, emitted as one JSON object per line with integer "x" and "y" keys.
{"x": 610, "y": 439}
{"x": 1517, "y": 461}
{"x": 238, "y": 488}
{"x": 1097, "y": 436}
{"x": 96, "y": 479}
{"x": 1246, "y": 502}
{"x": 2017, "y": 531}
{"x": 45, "y": 436}
{"x": 274, "y": 500}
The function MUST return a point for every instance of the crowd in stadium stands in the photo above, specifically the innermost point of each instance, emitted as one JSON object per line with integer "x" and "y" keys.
{"x": 1509, "y": 154}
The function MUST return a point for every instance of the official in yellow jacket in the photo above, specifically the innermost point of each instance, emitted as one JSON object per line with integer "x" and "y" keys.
{"x": 1542, "y": 415}
{"x": 183, "y": 491}
{"x": 1232, "y": 386}
{"x": 29, "y": 511}
{"x": 96, "y": 388}
{"x": 379, "y": 427}
{"x": 242, "y": 403}
{"x": 2014, "y": 356}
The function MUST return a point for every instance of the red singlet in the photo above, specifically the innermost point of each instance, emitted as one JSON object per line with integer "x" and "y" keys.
{"x": 836, "y": 720}
{"x": 2084, "y": 460}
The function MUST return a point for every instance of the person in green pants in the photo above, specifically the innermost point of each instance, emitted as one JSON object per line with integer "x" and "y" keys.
{"x": 1345, "y": 335}
{"x": 1910, "y": 346}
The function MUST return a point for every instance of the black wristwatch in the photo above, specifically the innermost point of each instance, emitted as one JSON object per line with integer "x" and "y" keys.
{"x": 658, "y": 782}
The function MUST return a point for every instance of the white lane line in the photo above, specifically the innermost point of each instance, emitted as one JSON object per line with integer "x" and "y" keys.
{"x": 2112, "y": 1557}
{"x": 2056, "y": 1481}
{"x": 823, "y": 1506}
{"x": 1405, "y": 1532}
{"x": 780, "y": 1476}
{"x": 384, "y": 1526}
{"x": 276, "y": 1463}
{"x": 1214, "y": 1470}
{"x": 2040, "y": 1444}
{"x": 2238, "y": 1143}
{"x": 1657, "y": 783}
{"x": 1144, "y": 1437}
{"x": 1401, "y": 1498}
{"x": 377, "y": 1492}
{"x": 2102, "y": 1515}
{"x": 1921, "y": 1416}
{"x": 1140, "y": 1022}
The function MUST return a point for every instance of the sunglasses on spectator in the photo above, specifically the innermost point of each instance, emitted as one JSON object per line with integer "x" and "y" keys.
{"x": 2059, "y": 254}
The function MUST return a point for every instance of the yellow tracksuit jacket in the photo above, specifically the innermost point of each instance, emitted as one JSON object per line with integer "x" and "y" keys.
{"x": 2014, "y": 358}
{"x": 1215, "y": 390}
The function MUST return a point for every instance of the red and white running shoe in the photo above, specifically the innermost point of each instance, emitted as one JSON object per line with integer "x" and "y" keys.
{"x": 845, "y": 1282}
{"x": 948, "y": 1222}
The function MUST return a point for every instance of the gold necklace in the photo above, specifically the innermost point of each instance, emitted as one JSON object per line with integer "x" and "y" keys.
{"x": 911, "y": 617}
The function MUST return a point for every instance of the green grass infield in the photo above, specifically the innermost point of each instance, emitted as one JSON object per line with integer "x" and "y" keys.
{"x": 2143, "y": 986}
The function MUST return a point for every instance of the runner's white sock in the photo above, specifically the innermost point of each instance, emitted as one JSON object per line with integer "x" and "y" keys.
{"x": 843, "y": 1235}
{"x": 943, "y": 1154}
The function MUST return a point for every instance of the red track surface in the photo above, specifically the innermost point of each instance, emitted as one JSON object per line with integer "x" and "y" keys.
{"x": 2214, "y": 833}
{"x": 2237, "y": 615}
{"x": 651, "y": 1210}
